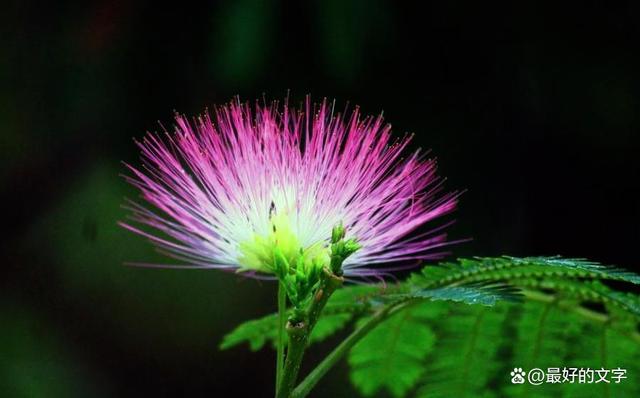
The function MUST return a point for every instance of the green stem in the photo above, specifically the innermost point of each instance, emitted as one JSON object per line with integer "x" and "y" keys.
{"x": 282, "y": 318}
{"x": 328, "y": 284}
{"x": 299, "y": 331}
{"x": 323, "y": 367}
{"x": 298, "y": 339}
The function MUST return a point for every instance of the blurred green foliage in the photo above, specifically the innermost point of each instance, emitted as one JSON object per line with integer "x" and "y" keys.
{"x": 89, "y": 250}
{"x": 37, "y": 362}
{"x": 242, "y": 40}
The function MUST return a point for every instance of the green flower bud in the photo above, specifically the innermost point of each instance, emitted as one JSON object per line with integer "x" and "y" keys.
{"x": 280, "y": 263}
{"x": 337, "y": 234}
{"x": 350, "y": 247}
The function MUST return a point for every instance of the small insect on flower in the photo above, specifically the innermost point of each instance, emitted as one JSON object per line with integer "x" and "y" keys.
{"x": 271, "y": 190}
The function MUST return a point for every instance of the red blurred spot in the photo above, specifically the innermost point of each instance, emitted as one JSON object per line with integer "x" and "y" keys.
{"x": 106, "y": 19}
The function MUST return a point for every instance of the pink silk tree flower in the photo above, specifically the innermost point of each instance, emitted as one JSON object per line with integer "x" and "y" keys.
{"x": 236, "y": 189}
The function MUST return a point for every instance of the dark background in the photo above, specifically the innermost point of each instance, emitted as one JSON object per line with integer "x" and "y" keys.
{"x": 533, "y": 110}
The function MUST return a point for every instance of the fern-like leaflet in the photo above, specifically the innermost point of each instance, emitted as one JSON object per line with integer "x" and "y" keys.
{"x": 536, "y": 312}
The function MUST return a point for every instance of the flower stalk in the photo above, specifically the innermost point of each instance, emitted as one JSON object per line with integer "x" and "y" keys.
{"x": 303, "y": 320}
{"x": 282, "y": 318}
{"x": 299, "y": 331}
